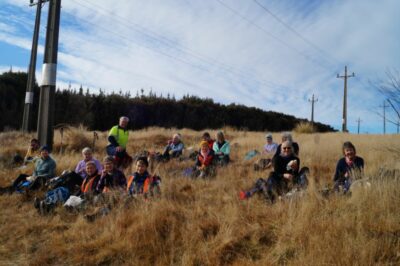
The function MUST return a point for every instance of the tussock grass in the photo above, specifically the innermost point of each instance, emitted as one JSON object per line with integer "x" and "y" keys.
{"x": 202, "y": 222}
{"x": 305, "y": 127}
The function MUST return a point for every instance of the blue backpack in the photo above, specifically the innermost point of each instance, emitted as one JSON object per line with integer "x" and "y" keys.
{"x": 60, "y": 194}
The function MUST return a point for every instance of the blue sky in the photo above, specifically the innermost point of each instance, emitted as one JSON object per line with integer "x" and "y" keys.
{"x": 270, "y": 54}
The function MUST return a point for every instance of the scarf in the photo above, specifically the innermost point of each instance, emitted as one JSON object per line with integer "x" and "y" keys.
{"x": 204, "y": 154}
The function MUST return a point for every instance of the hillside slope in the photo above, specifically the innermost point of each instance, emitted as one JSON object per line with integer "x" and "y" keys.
{"x": 202, "y": 222}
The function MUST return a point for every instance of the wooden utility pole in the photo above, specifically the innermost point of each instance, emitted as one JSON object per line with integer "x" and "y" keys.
{"x": 49, "y": 74}
{"x": 358, "y": 125}
{"x": 345, "y": 77}
{"x": 384, "y": 106}
{"x": 312, "y": 108}
{"x": 27, "y": 117}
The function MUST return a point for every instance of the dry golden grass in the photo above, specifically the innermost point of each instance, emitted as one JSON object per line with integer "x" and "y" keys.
{"x": 202, "y": 222}
{"x": 304, "y": 127}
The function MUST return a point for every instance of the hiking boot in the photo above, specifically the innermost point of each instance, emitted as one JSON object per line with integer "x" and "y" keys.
{"x": 36, "y": 203}
{"x": 243, "y": 195}
{"x": 42, "y": 208}
{"x": 90, "y": 217}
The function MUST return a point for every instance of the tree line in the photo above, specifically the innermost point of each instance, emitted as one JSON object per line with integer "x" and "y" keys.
{"x": 100, "y": 111}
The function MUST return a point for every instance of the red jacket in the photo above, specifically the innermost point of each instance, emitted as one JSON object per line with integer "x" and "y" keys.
{"x": 200, "y": 160}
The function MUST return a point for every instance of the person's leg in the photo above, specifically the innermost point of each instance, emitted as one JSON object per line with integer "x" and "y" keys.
{"x": 346, "y": 185}
{"x": 38, "y": 183}
{"x": 18, "y": 180}
{"x": 301, "y": 179}
{"x": 259, "y": 186}
{"x": 225, "y": 160}
{"x": 17, "y": 159}
{"x": 273, "y": 188}
{"x": 71, "y": 180}
{"x": 338, "y": 186}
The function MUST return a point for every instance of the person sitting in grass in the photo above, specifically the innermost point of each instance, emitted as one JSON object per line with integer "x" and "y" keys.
{"x": 45, "y": 168}
{"x": 87, "y": 156}
{"x": 206, "y": 137}
{"x": 141, "y": 182}
{"x": 32, "y": 153}
{"x": 270, "y": 147}
{"x": 71, "y": 179}
{"x": 111, "y": 177}
{"x": 87, "y": 190}
{"x": 221, "y": 149}
{"x": 90, "y": 182}
{"x": 286, "y": 174}
{"x": 286, "y": 136}
{"x": 269, "y": 151}
{"x": 205, "y": 161}
{"x": 348, "y": 168}
{"x": 174, "y": 148}
{"x": 118, "y": 138}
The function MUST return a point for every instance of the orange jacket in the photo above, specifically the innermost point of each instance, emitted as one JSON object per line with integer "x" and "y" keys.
{"x": 146, "y": 184}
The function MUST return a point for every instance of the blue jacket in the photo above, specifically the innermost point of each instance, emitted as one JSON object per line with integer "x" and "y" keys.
{"x": 45, "y": 167}
{"x": 225, "y": 148}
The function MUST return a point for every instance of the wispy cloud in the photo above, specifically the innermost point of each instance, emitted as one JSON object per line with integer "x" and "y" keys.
{"x": 232, "y": 51}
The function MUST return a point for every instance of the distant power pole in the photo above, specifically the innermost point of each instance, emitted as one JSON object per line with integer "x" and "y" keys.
{"x": 398, "y": 125}
{"x": 358, "y": 125}
{"x": 312, "y": 108}
{"x": 49, "y": 73}
{"x": 27, "y": 118}
{"x": 384, "y": 106}
{"x": 344, "y": 121}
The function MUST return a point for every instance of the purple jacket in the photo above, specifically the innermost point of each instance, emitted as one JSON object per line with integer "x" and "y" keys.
{"x": 80, "y": 169}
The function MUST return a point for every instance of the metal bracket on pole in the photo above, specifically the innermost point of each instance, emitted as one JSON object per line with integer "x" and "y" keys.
{"x": 29, "y": 97}
{"x": 49, "y": 74}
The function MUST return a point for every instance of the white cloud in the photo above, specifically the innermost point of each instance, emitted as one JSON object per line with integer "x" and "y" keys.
{"x": 203, "y": 48}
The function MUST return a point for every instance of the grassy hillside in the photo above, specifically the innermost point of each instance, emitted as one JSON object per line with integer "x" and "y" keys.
{"x": 202, "y": 222}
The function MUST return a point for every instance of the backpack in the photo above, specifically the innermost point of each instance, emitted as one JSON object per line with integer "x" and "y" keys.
{"x": 60, "y": 194}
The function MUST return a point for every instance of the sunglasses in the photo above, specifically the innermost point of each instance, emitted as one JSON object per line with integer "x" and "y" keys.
{"x": 286, "y": 148}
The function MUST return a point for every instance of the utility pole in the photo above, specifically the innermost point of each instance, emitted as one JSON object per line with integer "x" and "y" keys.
{"x": 398, "y": 125}
{"x": 344, "y": 121}
{"x": 49, "y": 74}
{"x": 358, "y": 125}
{"x": 312, "y": 108}
{"x": 27, "y": 118}
{"x": 384, "y": 106}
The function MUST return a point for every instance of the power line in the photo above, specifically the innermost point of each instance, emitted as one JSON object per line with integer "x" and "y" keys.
{"x": 146, "y": 47}
{"x": 307, "y": 57}
{"x": 290, "y": 28}
{"x": 173, "y": 45}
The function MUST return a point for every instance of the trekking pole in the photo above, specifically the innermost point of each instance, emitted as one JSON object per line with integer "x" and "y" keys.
{"x": 62, "y": 135}
{"x": 95, "y": 137}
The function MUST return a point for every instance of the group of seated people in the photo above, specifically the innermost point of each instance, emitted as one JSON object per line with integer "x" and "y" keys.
{"x": 89, "y": 180}
{"x": 288, "y": 175}
{"x": 93, "y": 178}
{"x": 210, "y": 153}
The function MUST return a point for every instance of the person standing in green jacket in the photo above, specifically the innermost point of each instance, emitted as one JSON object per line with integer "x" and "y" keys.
{"x": 222, "y": 149}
